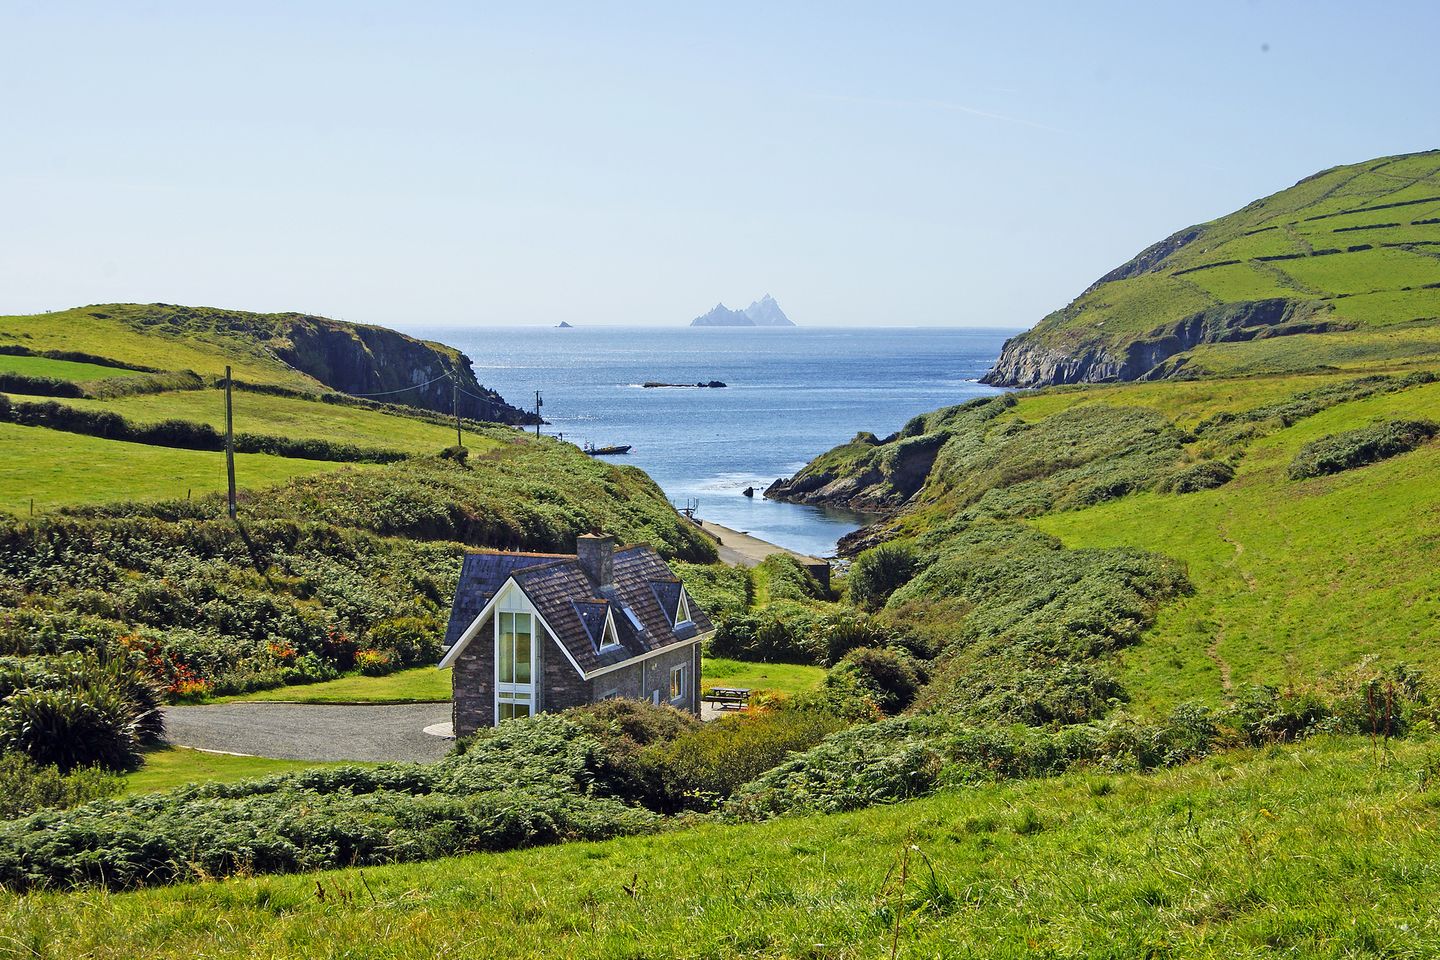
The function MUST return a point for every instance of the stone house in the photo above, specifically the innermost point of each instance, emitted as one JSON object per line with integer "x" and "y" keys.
{"x": 540, "y": 632}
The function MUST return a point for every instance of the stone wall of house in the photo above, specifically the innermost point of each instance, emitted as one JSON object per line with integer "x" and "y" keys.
{"x": 472, "y": 684}
{"x": 562, "y": 687}
{"x": 640, "y": 681}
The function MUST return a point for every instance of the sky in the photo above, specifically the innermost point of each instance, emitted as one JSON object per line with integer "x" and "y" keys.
{"x": 432, "y": 164}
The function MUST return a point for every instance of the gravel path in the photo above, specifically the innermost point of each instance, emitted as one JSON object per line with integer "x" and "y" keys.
{"x": 303, "y": 731}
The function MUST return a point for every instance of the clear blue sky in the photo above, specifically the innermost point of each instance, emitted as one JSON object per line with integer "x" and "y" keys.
{"x": 478, "y": 163}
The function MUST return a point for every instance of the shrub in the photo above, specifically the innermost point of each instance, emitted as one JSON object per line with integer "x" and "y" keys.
{"x": 410, "y": 641}
{"x": 1356, "y": 448}
{"x": 697, "y": 770}
{"x": 890, "y": 676}
{"x": 375, "y": 663}
{"x": 720, "y": 590}
{"x": 38, "y": 386}
{"x": 26, "y": 786}
{"x": 456, "y": 453}
{"x": 880, "y": 571}
{"x": 1205, "y": 475}
{"x": 786, "y": 579}
{"x": 70, "y": 729}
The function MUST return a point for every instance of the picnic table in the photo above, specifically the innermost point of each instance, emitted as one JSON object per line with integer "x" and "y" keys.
{"x": 728, "y": 698}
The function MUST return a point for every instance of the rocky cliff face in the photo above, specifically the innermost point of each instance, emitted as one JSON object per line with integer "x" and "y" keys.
{"x": 374, "y": 360}
{"x": 1025, "y": 361}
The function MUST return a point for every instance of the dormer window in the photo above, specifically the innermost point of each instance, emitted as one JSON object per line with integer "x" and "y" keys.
{"x": 682, "y": 609}
{"x": 609, "y": 639}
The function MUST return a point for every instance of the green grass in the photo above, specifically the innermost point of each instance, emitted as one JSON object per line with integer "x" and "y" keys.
{"x": 1320, "y": 850}
{"x": 60, "y": 369}
{"x": 170, "y": 767}
{"x": 1293, "y": 579}
{"x": 65, "y": 469}
{"x": 786, "y": 678}
{"x": 85, "y": 330}
{"x": 417, "y": 685}
{"x": 292, "y": 417}
{"x": 1298, "y": 220}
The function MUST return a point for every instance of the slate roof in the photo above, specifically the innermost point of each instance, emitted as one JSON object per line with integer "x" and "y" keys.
{"x": 642, "y": 601}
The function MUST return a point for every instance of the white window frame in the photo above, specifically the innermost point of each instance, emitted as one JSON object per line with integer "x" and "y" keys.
{"x": 682, "y": 671}
{"x": 513, "y": 694}
{"x": 682, "y": 609}
{"x": 609, "y": 639}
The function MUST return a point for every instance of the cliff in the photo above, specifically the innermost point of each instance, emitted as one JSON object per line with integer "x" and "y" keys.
{"x": 294, "y": 350}
{"x": 1333, "y": 258}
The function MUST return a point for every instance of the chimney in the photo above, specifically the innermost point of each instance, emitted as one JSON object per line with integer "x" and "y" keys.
{"x": 596, "y": 553}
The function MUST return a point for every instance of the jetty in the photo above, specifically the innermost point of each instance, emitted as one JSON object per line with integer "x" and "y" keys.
{"x": 741, "y": 549}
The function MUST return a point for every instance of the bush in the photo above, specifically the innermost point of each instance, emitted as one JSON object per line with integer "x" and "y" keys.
{"x": 26, "y": 786}
{"x": 38, "y": 386}
{"x": 375, "y": 663}
{"x": 880, "y": 571}
{"x": 70, "y": 729}
{"x": 891, "y": 677}
{"x": 786, "y": 579}
{"x": 456, "y": 453}
{"x": 410, "y": 641}
{"x": 1356, "y": 448}
{"x": 1205, "y": 475}
{"x": 720, "y": 590}
{"x": 699, "y": 769}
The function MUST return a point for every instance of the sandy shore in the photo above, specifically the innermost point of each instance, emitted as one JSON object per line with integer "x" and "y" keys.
{"x": 744, "y": 550}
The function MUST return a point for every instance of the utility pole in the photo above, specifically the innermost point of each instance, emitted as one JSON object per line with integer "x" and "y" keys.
{"x": 455, "y": 405}
{"x": 538, "y": 403}
{"x": 230, "y": 442}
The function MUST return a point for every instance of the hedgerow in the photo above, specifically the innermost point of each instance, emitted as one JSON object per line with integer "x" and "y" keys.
{"x": 1357, "y": 448}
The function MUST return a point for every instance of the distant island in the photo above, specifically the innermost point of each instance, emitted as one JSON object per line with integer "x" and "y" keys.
{"x": 764, "y": 312}
{"x": 564, "y": 325}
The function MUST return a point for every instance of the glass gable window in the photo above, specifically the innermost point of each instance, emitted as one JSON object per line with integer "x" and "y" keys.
{"x": 516, "y": 630}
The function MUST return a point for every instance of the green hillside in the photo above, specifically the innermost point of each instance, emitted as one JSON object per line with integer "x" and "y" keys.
{"x": 1345, "y": 262}
{"x": 298, "y": 351}
{"x": 1249, "y": 854}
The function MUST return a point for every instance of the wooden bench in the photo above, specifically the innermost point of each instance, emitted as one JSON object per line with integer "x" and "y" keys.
{"x": 729, "y": 698}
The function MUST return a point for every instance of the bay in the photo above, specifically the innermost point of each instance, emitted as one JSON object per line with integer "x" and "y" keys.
{"x": 790, "y": 395}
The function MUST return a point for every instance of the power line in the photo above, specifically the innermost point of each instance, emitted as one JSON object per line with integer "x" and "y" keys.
{"x": 418, "y": 386}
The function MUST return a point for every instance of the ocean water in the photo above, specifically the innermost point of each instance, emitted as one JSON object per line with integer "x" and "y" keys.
{"x": 791, "y": 394}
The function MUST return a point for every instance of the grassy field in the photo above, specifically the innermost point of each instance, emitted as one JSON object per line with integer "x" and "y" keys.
{"x": 170, "y": 767}
{"x": 1293, "y": 579}
{"x": 1321, "y": 850}
{"x": 60, "y": 369}
{"x": 64, "y": 469}
{"x": 291, "y": 417}
{"x": 417, "y": 685}
{"x": 105, "y": 332}
{"x": 786, "y": 678}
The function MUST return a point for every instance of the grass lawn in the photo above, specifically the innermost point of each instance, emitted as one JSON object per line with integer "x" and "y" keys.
{"x": 291, "y": 417}
{"x": 169, "y": 767}
{"x": 1294, "y": 579}
{"x": 63, "y": 469}
{"x": 1327, "y": 849}
{"x": 786, "y": 678}
{"x": 60, "y": 369}
{"x": 417, "y": 685}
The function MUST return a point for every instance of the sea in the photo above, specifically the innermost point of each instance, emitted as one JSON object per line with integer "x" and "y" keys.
{"x": 790, "y": 394}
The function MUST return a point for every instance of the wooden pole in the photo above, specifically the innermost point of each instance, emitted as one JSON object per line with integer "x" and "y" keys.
{"x": 455, "y": 404}
{"x": 537, "y": 413}
{"x": 230, "y": 442}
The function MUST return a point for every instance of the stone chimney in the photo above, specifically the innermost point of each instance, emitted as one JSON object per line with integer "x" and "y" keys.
{"x": 596, "y": 553}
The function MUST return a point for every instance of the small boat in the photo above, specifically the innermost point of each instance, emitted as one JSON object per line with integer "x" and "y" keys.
{"x": 595, "y": 451}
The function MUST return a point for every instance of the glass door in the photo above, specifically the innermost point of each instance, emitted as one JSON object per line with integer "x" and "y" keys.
{"x": 515, "y": 647}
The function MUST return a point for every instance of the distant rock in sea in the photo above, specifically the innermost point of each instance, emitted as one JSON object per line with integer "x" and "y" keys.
{"x": 564, "y": 325}
{"x": 764, "y": 312}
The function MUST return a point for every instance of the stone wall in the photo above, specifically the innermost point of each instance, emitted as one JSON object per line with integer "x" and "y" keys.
{"x": 640, "y": 681}
{"x": 472, "y": 684}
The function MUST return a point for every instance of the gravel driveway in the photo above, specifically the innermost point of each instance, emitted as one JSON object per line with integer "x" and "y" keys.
{"x": 303, "y": 731}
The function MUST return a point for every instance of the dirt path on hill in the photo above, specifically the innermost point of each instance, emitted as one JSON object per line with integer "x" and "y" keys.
{"x": 1213, "y": 650}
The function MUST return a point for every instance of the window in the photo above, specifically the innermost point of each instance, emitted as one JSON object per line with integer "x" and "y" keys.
{"x": 515, "y": 647}
{"x": 677, "y": 682}
{"x": 514, "y": 659}
{"x": 609, "y": 639}
{"x": 682, "y": 610}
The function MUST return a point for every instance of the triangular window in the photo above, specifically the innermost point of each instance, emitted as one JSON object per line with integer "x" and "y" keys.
{"x": 609, "y": 638}
{"x": 682, "y": 609}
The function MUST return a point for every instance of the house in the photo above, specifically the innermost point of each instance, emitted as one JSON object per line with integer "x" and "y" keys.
{"x": 539, "y": 632}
